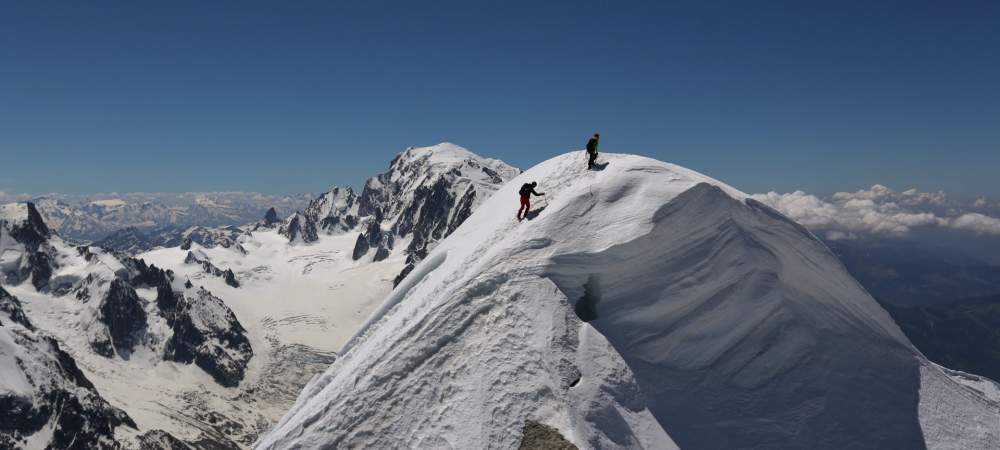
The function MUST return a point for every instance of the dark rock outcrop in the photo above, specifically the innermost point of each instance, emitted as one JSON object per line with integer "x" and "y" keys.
{"x": 538, "y": 436}
{"x": 373, "y": 237}
{"x": 32, "y": 231}
{"x": 161, "y": 440}
{"x": 361, "y": 247}
{"x": 299, "y": 227}
{"x": 271, "y": 221}
{"x": 207, "y": 334}
{"x": 39, "y": 268}
{"x": 12, "y": 307}
{"x": 123, "y": 313}
{"x": 402, "y": 274}
{"x": 141, "y": 275}
{"x": 271, "y": 217}
{"x": 27, "y": 228}
{"x": 381, "y": 254}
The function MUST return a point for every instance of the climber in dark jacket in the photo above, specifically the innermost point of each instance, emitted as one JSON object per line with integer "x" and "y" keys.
{"x": 592, "y": 150}
{"x": 526, "y": 191}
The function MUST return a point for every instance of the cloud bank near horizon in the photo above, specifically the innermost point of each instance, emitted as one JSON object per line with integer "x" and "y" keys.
{"x": 881, "y": 211}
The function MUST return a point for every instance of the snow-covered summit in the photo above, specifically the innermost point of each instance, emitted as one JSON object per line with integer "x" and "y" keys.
{"x": 24, "y": 217}
{"x": 425, "y": 195}
{"x": 14, "y": 212}
{"x": 445, "y": 157}
{"x": 639, "y": 305}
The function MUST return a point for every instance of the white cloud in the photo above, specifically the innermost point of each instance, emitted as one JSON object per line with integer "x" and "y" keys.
{"x": 878, "y": 210}
{"x": 882, "y": 194}
{"x": 977, "y": 223}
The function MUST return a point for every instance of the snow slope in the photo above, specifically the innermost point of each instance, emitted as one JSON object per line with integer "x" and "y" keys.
{"x": 638, "y": 300}
{"x": 303, "y": 287}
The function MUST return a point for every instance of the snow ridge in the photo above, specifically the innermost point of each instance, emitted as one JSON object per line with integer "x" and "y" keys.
{"x": 640, "y": 299}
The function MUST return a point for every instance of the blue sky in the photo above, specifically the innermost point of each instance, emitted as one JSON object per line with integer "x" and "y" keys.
{"x": 282, "y": 97}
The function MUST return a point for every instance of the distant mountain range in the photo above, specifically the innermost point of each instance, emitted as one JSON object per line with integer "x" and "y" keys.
{"x": 85, "y": 219}
{"x": 906, "y": 273}
{"x": 945, "y": 301}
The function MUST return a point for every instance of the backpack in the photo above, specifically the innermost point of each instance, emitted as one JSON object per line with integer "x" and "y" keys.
{"x": 526, "y": 189}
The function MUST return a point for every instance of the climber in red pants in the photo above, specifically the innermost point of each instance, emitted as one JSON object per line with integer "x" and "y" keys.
{"x": 526, "y": 191}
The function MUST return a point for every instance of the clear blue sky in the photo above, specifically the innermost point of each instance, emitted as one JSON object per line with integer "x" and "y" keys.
{"x": 297, "y": 96}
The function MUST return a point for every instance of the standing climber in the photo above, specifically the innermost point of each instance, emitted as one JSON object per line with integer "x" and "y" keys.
{"x": 526, "y": 191}
{"x": 592, "y": 151}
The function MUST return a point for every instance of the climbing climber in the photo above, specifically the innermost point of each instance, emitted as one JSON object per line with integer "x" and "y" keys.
{"x": 592, "y": 151}
{"x": 526, "y": 190}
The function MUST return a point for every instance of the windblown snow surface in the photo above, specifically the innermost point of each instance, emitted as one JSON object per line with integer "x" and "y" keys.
{"x": 640, "y": 306}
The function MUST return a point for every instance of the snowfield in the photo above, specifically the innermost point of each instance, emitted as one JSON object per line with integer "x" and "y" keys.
{"x": 643, "y": 305}
{"x": 312, "y": 295}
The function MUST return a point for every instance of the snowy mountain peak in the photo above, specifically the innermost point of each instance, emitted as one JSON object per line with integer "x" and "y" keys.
{"x": 641, "y": 305}
{"x": 299, "y": 228}
{"x": 417, "y": 162}
{"x": 425, "y": 195}
{"x": 335, "y": 211}
{"x": 23, "y": 219}
{"x": 271, "y": 216}
{"x": 14, "y": 212}
{"x": 443, "y": 155}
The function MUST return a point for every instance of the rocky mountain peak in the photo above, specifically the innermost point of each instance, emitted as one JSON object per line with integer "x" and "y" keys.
{"x": 24, "y": 223}
{"x": 271, "y": 217}
{"x": 424, "y": 196}
{"x": 299, "y": 227}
